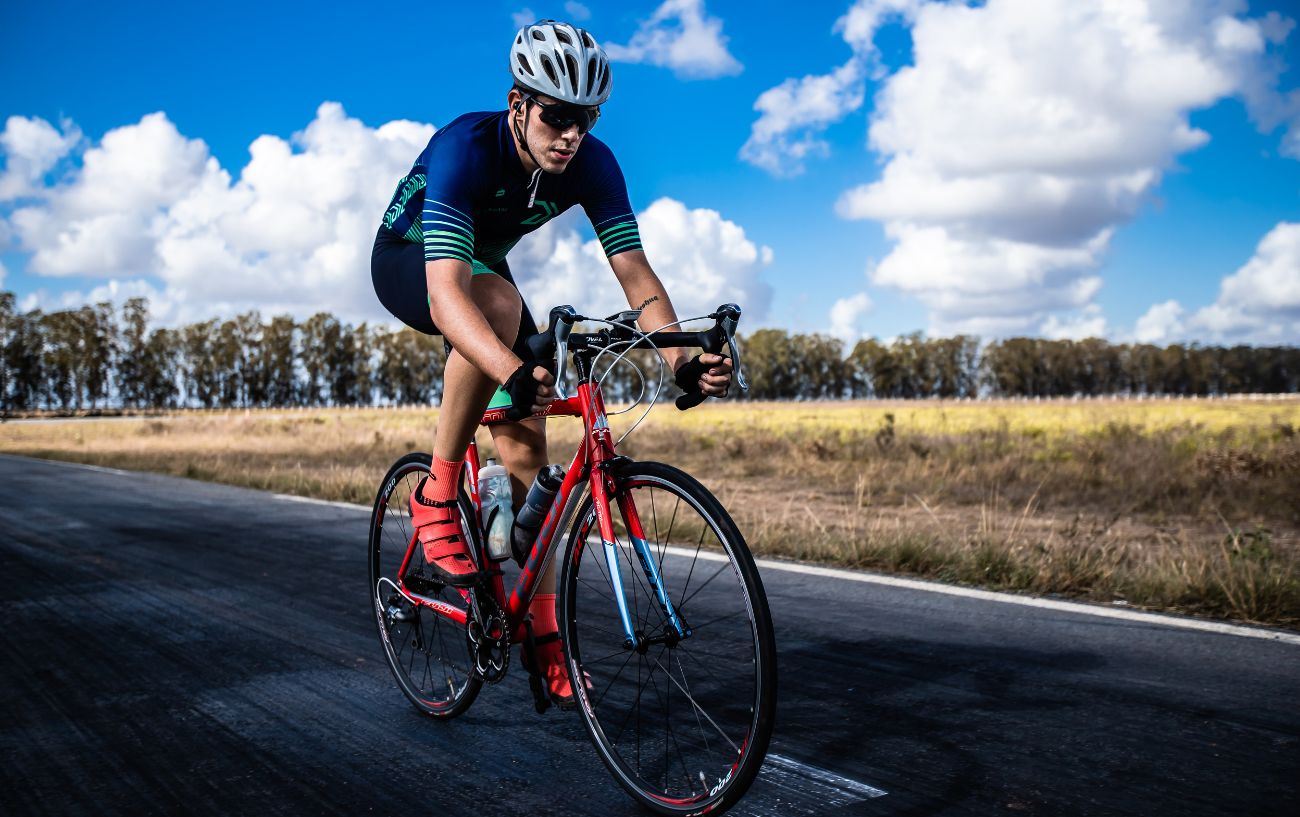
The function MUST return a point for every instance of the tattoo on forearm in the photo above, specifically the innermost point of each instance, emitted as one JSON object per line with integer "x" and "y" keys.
{"x": 648, "y": 301}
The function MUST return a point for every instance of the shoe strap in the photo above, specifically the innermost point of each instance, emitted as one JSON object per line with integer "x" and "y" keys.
{"x": 449, "y": 546}
{"x": 419, "y": 497}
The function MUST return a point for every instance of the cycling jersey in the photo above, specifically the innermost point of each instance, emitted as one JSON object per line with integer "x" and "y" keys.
{"x": 468, "y": 196}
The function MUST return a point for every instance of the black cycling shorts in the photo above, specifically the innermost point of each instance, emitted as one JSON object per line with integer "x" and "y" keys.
{"x": 397, "y": 271}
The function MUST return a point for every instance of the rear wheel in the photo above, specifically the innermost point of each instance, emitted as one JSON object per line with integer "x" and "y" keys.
{"x": 682, "y": 724}
{"x": 427, "y": 653}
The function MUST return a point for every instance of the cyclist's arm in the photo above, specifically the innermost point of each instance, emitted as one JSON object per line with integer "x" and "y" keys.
{"x": 646, "y": 292}
{"x": 462, "y": 323}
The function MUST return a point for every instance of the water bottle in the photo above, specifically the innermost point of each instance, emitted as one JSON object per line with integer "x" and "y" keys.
{"x": 495, "y": 498}
{"x": 533, "y": 513}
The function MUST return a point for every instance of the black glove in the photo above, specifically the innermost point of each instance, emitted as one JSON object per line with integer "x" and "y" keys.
{"x": 687, "y": 379}
{"x": 522, "y": 388}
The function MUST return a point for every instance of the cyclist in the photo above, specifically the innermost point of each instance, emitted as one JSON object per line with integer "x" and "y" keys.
{"x": 439, "y": 265}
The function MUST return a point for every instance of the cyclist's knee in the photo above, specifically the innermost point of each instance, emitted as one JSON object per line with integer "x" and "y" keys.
{"x": 500, "y": 304}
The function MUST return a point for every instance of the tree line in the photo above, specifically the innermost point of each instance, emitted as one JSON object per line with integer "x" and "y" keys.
{"x": 97, "y": 357}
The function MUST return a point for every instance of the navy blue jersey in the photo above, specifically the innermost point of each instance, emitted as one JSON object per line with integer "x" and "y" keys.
{"x": 468, "y": 195}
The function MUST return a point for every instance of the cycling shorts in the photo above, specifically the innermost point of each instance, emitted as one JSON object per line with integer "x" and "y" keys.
{"x": 397, "y": 271}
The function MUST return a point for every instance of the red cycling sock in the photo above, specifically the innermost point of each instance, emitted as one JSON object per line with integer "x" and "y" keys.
{"x": 543, "y": 611}
{"x": 444, "y": 479}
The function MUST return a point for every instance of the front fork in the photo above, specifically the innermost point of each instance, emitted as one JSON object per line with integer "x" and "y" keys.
{"x": 677, "y": 629}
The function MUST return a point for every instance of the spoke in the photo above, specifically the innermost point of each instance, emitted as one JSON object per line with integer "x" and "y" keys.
{"x": 670, "y": 733}
{"x": 702, "y": 665}
{"x": 721, "y": 568}
{"x": 596, "y": 589}
{"x": 698, "y": 724}
{"x": 615, "y": 654}
{"x": 690, "y": 698}
{"x": 639, "y": 692}
{"x": 698, "y": 627}
{"x": 694, "y": 561}
{"x": 673, "y": 521}
{"x": 605, "y": 691}
{"x": 587, "y": 626}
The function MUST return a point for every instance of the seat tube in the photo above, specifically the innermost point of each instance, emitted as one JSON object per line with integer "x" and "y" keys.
{"x": 648, "y": 563}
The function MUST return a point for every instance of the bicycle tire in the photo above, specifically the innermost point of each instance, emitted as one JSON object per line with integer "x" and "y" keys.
{"x": 728, "y": 673}
{"x": 422, "y": 652}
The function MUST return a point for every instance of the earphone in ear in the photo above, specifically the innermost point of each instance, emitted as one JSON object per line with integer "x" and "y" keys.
{"x": 517, "y": 105}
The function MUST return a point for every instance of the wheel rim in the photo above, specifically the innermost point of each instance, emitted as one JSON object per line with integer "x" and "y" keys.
{"x": 427, "y": 653}
{"x": 676, "y": 721}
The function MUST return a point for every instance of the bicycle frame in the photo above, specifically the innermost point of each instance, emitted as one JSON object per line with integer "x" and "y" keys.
{"x": 591, "y": 464}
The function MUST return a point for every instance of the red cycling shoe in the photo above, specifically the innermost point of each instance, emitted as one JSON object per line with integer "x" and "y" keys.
{"x": 545, "y": 640}
{"x": 437, "y": 525}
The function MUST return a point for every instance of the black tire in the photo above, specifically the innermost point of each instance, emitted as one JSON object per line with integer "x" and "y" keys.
{"x": 428, "y": 654}
{"x": 708, "y": 703}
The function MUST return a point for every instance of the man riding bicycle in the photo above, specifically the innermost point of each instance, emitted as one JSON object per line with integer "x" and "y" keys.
{"x": 439, "y": 265}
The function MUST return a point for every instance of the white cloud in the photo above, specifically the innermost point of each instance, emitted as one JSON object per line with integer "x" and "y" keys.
{"x": 682, "y": 37}
{"x": 293, "y": 233}
{"x": 1261, "y": 300}
{"x": 1022, "y": 136}
{"x": 702, "y": 258}
{"x": 577, "y": 11}
{"x": 845, "y": 316}
{"x": 1087, "y": 323}
{"x": 794, "y": 113}
{"x": 524, "y": 17}
{"x": 31, "y": 148}
{"x": 1160, "y": 324}
{"x": 802, "y": 107}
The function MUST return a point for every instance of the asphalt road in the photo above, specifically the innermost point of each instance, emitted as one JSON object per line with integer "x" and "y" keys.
{"x": 172, "y": 646}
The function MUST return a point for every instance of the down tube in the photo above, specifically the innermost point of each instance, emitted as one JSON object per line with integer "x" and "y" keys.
{"x": 637, "y": 534}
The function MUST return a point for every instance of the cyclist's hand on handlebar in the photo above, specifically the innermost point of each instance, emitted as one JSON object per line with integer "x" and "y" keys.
{"x": 530, "y": 389}
{"x": 705, "y": 375}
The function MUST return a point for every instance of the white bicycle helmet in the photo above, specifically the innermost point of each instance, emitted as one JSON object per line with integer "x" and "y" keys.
{"x": 560, "y": 61}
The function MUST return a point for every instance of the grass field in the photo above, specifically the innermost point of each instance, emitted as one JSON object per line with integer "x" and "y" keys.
{"x": 1189, "y": 506}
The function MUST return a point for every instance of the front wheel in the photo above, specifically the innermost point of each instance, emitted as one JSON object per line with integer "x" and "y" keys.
{"x": 682, "y": 724}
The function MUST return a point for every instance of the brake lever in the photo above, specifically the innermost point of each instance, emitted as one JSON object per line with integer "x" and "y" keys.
{"x": 567, "y": 316}
{"x": 728, "y": 316}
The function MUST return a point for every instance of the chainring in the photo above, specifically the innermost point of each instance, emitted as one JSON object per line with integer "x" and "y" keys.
{"x": 490, "y": 654}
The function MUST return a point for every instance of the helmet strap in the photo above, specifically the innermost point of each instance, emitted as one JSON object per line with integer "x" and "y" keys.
{"x": 522, "y": 135}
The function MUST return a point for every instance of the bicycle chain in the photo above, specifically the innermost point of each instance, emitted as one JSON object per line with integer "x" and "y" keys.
{"x": 491, "y": 656}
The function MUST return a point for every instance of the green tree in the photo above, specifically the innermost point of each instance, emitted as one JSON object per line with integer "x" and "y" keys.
{"x": 278, "y": 360}
{"x": 132, "y": 374}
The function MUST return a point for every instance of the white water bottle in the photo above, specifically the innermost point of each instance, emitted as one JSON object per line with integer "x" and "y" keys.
{"x": 495, "y": 497}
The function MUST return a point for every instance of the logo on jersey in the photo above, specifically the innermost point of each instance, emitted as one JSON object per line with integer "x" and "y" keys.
{"x": 549, "y": 211}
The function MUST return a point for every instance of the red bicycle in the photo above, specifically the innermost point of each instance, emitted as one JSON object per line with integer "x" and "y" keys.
{"x": 660, "y": 605}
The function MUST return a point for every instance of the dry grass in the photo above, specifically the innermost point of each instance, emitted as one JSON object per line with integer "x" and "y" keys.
{"x": 1191, "y": 507}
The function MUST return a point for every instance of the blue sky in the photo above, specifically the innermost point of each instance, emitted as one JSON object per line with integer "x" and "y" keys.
{"x": 1142, "y": 233}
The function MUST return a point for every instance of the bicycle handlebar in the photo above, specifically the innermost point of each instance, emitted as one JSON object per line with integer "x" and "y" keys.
{"x": 559, "y": 337}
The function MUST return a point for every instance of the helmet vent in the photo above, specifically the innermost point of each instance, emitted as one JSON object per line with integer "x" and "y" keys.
{"x": 537, "y": 35}
{"x": 523, "y": 64}
{"x": 573, "y": 72}
{"x": 549, "y": 69}
{"x": 563, "y": 37}
{"x": 591, "y": 73}
{"x": 604, "y": 83}
{"x": 587, "y": 41}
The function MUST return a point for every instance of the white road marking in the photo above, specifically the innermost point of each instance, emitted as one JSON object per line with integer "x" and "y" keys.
{"x": 101, "y": 469}
{"x": 889, "y": 581}
{"x": 351, "y": 506}
{"x": 1009, "y": 598}
{"x": 815, "y": 783}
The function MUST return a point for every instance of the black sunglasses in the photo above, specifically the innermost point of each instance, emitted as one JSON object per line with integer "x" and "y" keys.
{"x": 562, "y": 115}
